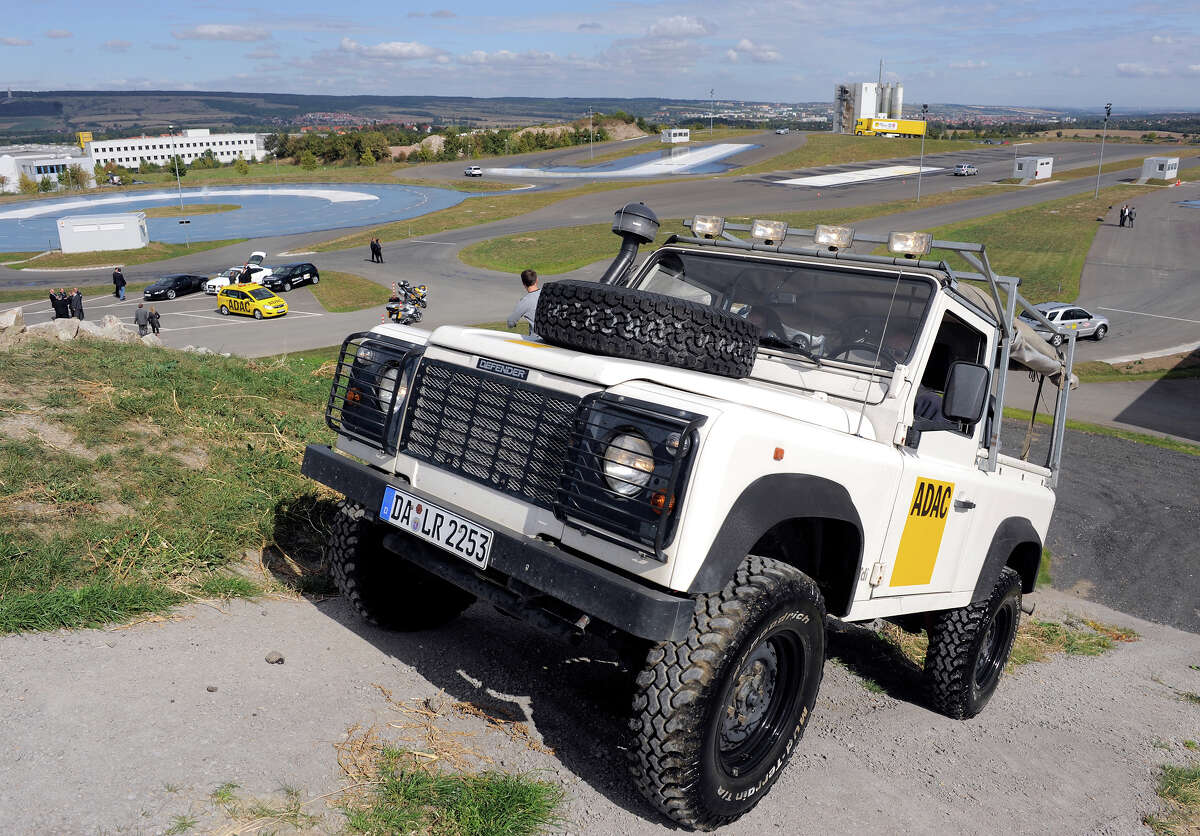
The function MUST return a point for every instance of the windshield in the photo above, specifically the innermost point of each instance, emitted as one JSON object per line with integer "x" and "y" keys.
{"x": 869, "y": 319}
{"x": 261, "y": 293}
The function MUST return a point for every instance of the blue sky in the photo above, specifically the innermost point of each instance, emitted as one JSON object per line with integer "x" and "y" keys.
{"x": 1135, "y": 54}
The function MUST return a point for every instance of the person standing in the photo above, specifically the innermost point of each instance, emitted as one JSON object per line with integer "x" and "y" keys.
{"x": 1130, "y": 215}
{"x": 379, "y": 250}
{"x": 154, "y": 318}
{"x": 141, "y": 318}
{"x": 526, "y": 308}
{"x": 371, "y": 245}
{"x": 119, "y": 284}
{"x": 76, "y": 303}
{"x": 56, "y": 303}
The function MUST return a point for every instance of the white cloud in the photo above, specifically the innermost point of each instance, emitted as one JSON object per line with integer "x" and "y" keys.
{"x": 1193, "y": 69}
{"x": 391, "y": 50}
{"x": 263, "y": 52}
{"x": 589, "y": 27}
{"x": 731, "y": 55}
{"x": 443, "y": 13}
{"x": 1022, "y": 74}
{"x": 59, "y": 33}
{"x": 165, "y": 47}
{"x": 1139, "y": 71}
{"x": 117, "y": 45}
{"x": 221, "y": 32}
{"x": 1075, "y": 72}
{"x": 1163, "y": 39}
{"x": 969, "y": 64}
{"x": 679, "y": 26}
{"x": 758, "y": 53}
{"x": 15, "y": 41}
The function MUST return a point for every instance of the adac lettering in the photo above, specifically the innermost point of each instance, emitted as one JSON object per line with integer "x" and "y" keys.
{"x": 931, "y": 501}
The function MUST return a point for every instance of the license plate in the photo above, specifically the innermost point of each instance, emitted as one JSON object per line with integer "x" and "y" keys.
{"x": 460, "y": 537}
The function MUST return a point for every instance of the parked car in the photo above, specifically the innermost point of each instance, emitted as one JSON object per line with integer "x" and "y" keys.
{"x": 1071, "y": 317}
{"x": 783, "y": 131}
{"x": 472, "y": 171}
{"x": 965, "y": 170}
{"x": 252, "y": 271}
{"x": 290, "y": 275}
{"x": 250, "y": 300}
{"x": 168, "y": 287}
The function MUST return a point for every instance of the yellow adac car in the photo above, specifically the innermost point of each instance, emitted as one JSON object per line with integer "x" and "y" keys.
{"x": 251, "y": 300}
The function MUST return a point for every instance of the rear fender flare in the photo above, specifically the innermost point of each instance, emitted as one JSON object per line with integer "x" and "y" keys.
{"x": 1013, "y": 535}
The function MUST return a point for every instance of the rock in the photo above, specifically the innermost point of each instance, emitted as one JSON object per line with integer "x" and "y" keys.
{"x": 90, "y": 330}
{"x": 274, "y": 658}
{"x": 188, "y": 348}
{"x": 204, "y": 350}
{"x": 212, "y": 689}
{"x": 66, "y": 329}
{"x": 12, "y": 320}
{"x": 41, "y": 329}
{"x": 152, "y": 339}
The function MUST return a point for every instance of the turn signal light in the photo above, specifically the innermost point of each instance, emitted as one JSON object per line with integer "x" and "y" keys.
{"x": 353, "y": 395}
{"x": 660, "y": 503}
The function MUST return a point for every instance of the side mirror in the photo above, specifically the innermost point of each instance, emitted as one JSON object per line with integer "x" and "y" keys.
{"x": 966, "y": 392}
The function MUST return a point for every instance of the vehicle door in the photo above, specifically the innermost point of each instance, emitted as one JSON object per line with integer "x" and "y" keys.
{"x": 940, "y": 482}
{"x": 1078, "y": 320}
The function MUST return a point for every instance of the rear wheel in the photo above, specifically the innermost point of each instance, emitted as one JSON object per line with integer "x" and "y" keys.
{"x": 1101, "y": 333}
{"x": 224, "y": 311}
{"x": 969, "y": 647}
{"x": 718, "y": 714}
{"x": 384, "y": 588}
{"x": 1056, "y": 340}
{"x": 170, "y": 294}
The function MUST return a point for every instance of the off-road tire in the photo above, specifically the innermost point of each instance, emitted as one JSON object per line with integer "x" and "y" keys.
{"x": 639, "y": 325}
{"x": 683, "y": 749}
{"x": 384, "y": 588}
{"x": 964, "y": 640}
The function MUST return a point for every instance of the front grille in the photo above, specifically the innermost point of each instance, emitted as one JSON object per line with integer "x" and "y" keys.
{"x": 506, "y": 434}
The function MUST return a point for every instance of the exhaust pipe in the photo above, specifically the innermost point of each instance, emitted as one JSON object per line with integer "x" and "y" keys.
{"x": 636, "y": 224}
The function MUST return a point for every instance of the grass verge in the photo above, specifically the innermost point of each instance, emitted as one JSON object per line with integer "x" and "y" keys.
{"x": 154, "y": 251}
{"x": 1112, "y": 432}
{"x": 144, "y": 482}
{"x": 831, "y": 149}
{"x": 1179, "y": 787}
{"x": 412, "y": 800}
{"x": 341, "y": 292}
{"x": 1179, "y": 367}
{"x": 188, "y": 210}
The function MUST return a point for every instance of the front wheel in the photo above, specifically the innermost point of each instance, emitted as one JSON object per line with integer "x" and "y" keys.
{"x": 717, "y": 715}
{"x": 257, "y": 314}
{"x": 969, "y": 647}
{"x": 170, "y": 294}
{"x": 316, "y": 279}
{"x": 1101, "y": 333}
{"x": 287, "y": 286}
{"x": 224, "y": 311}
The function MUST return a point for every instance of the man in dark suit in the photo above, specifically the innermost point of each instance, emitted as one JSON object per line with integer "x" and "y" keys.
{"x": 76, "y": 299}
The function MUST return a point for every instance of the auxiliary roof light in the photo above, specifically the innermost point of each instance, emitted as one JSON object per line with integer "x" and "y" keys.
{"x": 834, "y": 237}
{"x": 910, "y": 243}
{"x": 709, "y": 226}
{"x": 769, "y": 232}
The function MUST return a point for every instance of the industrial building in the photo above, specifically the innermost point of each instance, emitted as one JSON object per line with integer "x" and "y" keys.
{"x": 89, "y": 233}
{"x": 189, "y": 145}
{"x": 865, "y": 100}
{"x": 38, "y": 161}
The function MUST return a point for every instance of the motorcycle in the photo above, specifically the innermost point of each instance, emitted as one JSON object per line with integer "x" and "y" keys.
{"x": 407, "y": 303}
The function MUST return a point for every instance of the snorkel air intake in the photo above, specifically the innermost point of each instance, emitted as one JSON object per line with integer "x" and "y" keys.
{"x": 637, "y": 225}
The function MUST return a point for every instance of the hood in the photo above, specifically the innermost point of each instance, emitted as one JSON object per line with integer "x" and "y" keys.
{"x": 612, "y": 371}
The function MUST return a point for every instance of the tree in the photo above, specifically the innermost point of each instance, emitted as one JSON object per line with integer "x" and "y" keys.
{"x": 175, "y": 162}
{"x": 206, "y": 160}
{"x": 47, "y": 184}
{"x": 241, "y": 166}
{"x": 366, "y": 159}
{"x": 75, "y": 177}
{"x": 26, "y": 184}
{"x": 147, "y": 167}
{"x": 308, "y": 160}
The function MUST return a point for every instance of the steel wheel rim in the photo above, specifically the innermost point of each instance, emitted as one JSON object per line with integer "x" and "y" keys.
{"x": 760, "y": 702}
{"x": 992, "y": 650}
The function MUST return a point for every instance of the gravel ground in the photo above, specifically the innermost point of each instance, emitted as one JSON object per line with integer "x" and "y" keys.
{"x": 120, "y": 731}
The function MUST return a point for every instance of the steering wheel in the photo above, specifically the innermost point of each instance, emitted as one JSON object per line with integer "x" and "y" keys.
{"x": 869, "y": 351}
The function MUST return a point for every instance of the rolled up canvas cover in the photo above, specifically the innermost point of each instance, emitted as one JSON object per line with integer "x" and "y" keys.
{"x": 1027, "y": 348}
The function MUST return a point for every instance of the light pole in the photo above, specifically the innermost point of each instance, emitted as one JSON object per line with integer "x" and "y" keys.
{"x": 590, "y": 151}
{"x": 712, "y": 104}
{"x": 924, "y": 130}
{"x": 179, "y": 185}
{"x": 1103, "y": 136}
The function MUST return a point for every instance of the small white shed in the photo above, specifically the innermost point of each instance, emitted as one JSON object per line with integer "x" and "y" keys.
{"x": 1033, "y": 168}
{"x": 673, "y": 135}
{"x": 89, "y": 233}
{"x": 1160, "y": 168}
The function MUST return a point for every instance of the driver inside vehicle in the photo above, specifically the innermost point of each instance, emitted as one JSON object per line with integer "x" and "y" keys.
{"x": 767, "y": 321}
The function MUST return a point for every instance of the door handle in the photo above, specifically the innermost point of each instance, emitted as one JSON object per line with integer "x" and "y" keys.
{"x": 963, "y": 505}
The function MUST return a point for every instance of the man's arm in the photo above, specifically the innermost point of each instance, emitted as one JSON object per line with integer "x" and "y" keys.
{"x": 518, "y": 312}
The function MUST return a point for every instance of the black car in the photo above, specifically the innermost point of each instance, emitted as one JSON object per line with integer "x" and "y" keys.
{"x": 168, "y": 287}
{"x": 292, "y": 275}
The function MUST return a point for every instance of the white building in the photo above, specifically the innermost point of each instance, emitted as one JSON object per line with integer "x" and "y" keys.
{"x": 189, "y": 145}
{"x": 89, "y": 233}
{"x": 1160, "y": 168}
{"x": 673, "y": 135}
{"x": 1033, "y": 168}
{"x": 38, "y": 161}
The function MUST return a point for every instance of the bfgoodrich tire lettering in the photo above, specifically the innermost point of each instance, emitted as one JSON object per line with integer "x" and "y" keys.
{"x": 384, "y": 588}
{"x": 717, "y": 715}
{"x": 969, "y": 647}
{"x": 638, "y": 325}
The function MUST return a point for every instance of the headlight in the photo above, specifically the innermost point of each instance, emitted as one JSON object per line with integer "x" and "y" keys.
{"x": 391, "y": 391}
{"x": 628, "y": 463}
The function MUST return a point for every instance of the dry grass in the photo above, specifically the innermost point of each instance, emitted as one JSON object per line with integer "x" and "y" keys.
{"x": 1179, "y": 787}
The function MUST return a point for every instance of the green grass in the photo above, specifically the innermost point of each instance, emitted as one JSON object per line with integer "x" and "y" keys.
{"x": 19, "y": 256}
{"x": 341, "y": 292}
{"x": 1096, "y": 371}
{"x": 224, "y": 794}
{"x": 154, "y": 251}
{"x": 137, "y": 488}
{"x": 832, "y": 149}
{"x": 408, "y": 800}
{"x": 1112, "y": 432}
{"x": 477, "y": 210}
{"x": 1179, "y": 787}
{"x": 522, "y": 327}
{"x": 1044, "y": 578}
{"x": 181, "y": 824}
{"x": 188, "y": 210}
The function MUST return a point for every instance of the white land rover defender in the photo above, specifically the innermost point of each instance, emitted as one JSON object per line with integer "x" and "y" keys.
{"x": 704, "y": 457}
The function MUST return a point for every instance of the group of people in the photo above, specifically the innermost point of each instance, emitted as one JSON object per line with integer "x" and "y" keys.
{"x": 1128, "y": 213}
{"x": 119, "y": 284}
{"x": 376, "y": 251}
{"x": 67, "y": 305}
{"x": 146, "y": 320}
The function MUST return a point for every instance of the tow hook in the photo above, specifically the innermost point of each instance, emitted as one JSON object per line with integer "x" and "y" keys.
{"x": 1028, "y": 606}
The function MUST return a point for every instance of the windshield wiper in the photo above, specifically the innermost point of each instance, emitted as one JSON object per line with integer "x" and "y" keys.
{"x": 771, "y": 341}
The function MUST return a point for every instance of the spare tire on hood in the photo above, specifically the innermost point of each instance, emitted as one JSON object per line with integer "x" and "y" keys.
{"x": 639, "y": 325}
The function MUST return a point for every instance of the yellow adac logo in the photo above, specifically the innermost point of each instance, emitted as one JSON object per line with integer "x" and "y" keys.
{"x": 923, "y": 529}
